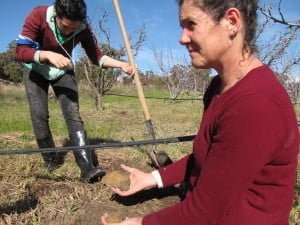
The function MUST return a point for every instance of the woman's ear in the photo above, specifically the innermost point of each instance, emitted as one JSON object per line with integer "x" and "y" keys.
{"x": 233, "y": 19}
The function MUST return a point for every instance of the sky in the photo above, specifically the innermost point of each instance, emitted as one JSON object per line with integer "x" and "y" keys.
{"x": 159, "y": 16}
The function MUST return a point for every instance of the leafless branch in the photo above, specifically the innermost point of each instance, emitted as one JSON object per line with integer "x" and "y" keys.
{"x": 102, "y": 21}
{"x": 282, "y": 20}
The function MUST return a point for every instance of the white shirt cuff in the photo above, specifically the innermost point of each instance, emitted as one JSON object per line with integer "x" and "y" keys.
{"x": 36, "y": 56}
{"x": 102, "y": 60}
{"x": 158, "y": 179}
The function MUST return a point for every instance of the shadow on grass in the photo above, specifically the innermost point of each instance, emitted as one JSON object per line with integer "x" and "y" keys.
{"x": 95, "y": 141}
{"x": 144, "y": 196}
{"x": 29, "y": 202}
{"x": 91, "y": 141}
{"x": 52, "y": 178}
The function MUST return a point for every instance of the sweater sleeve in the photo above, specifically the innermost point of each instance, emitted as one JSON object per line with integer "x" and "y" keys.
{"x": 90, "y": 45}
{"x": 177, "y": 172}
{"x": 31, "y": 29}
{"x": 248, "y": 134}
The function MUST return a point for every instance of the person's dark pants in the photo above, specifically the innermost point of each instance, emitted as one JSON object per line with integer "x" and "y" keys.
{"x": 66, "y": 91}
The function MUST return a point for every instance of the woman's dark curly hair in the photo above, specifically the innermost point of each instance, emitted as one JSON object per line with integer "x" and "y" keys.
{"x": 71, "y": 9}
{"x": 218, "y": 8}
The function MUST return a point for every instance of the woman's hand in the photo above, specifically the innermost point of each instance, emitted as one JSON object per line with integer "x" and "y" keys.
{"x": 127, "y": 221}
{"x": 127, "y": 68}
{"x": 114, "y": 63}
{"x": 138, "y": 181}
{"x": 56, "y": 59}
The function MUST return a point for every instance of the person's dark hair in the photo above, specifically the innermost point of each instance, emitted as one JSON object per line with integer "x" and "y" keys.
{"x": 217, "y": 8}
{"x": 70, "y": 9}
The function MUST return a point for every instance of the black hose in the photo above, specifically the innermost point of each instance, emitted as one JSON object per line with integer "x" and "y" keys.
{"x": 100, "y": 146}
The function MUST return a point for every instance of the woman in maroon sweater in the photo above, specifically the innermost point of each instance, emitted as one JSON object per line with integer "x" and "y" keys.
{"x": 45, "y": 47}
{"x": 242, "y": 168}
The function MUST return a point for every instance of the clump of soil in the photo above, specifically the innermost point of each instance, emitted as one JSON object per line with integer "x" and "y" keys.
{"x": 117, "y": 178}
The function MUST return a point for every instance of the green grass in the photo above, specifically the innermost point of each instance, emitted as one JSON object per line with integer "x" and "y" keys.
{"x": 14, "y": 118}
{"x": 122, "y": 119}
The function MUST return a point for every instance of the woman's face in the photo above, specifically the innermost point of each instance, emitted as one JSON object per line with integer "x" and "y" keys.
{"x": 205, "y": 39}
{"x": 67, "y": 26}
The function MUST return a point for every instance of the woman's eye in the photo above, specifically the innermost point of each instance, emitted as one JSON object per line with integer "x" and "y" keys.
{"x": 190, "y": 25}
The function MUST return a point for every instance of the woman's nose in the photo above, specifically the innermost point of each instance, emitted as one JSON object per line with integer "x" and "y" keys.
{"x": 184, "y": 39}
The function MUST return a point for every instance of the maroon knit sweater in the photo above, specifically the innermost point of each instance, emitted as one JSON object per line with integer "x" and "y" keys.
{"x": 37, "y": 29}
{"x": 242, "y": 169}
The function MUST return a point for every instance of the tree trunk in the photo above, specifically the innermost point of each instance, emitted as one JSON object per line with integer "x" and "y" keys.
{"x": 99, "y": 102}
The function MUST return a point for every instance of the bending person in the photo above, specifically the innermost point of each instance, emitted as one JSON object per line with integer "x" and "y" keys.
{"x": 45, "y": 46}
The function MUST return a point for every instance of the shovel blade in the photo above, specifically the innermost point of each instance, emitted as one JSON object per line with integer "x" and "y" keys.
{"x": 159, "y": 158}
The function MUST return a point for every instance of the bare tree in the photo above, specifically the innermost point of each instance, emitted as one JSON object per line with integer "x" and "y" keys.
{"x": 173, "y": 74}
{"x": 101, "y": 81}
{"x": 276, "y": 50}
{"x": 179, "y": 76}
{"x": 199, "y": 80}
{"x": 292, "y": 85}
{"x": 268, "y": 11}
{"x": 98, "y": 84}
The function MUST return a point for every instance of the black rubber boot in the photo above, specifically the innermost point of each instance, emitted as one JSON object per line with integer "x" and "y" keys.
{"x": 94, "y": 158}
{"x": 52, "y": 160}
{"x": 89, "y": 173}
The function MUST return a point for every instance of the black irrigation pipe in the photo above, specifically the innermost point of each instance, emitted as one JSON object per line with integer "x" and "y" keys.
{"x": 100, "y": 146}
{"x": 171, "y": 99}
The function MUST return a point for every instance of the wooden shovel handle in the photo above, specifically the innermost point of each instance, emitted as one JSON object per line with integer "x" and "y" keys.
{"x": 131, "y": 61}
